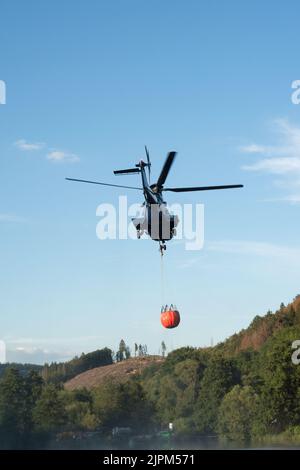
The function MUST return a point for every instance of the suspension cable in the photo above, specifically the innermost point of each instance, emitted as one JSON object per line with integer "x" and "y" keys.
{"x": 162, "y": 279}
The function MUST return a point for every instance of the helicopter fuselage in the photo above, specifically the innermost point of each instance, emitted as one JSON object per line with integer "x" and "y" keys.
{"x": 156, "y": 221}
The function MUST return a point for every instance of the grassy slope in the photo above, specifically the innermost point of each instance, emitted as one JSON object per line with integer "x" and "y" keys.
{"x": 118, "y": 372}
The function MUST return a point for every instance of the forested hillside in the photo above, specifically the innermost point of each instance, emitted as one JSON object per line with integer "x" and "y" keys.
{"x": 24, "y": 369}
{"x": 63, "y": 371}
{"x": 261, "y": 328}
{"x": 244, "y": 390}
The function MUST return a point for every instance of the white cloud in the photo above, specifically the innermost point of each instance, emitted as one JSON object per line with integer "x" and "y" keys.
{"x": 188, "y": 264}
{"x": 37, "y": 342}
{"x": 281, "y": 159}
{"x": 41, "y": 350}
{"x": 27, "y": 350}
{"x": 266, "y": 150}
{"x": 22, "y": 144}
{"x": 62, "y": 156}
{"x": 11, "y": 218}
{"x": 278, "y": 166}
{"x": 262, "y": 249}
{"x": 288, "y": 184}
{"x": 53, "y": 155}
{"x": 253, "y": 148}
{"x": 37, "y": 355}
{"x": 292, "y": 199}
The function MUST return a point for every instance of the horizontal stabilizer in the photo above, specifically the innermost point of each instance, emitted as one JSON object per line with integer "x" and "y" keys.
{"x": 128, "y": 170}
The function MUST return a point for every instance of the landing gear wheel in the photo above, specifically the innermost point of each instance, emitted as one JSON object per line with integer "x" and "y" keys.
{"x": 138, "y": 233}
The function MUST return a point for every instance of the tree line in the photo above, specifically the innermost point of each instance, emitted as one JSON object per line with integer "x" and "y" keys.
{"x": 63, "y": 371}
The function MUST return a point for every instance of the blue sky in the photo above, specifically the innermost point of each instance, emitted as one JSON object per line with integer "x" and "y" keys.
{"x": 88, "y": 84}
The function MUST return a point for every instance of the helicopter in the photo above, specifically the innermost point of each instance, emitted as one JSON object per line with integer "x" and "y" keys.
{"x": 157, "y": 221}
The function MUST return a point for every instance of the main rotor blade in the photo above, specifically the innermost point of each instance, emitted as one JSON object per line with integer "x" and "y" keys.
{"x": 104, "y": 184}
{"x": 166, "y": 168}
{"x": 203, "y": 188}
{"x": 149, "y": 162}
{"x": 147, "y": 155}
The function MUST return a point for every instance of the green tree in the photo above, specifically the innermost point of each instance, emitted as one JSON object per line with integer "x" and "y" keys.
{"x": 13, "y": 405}
{"x": 173, "y": 388}
{"x": 121, "y": 351}
{"x": 177, "y": 395}
{"x": 107, "y": 405}
{"x": 18, "y": 395}
{"x": 218, "y": 378}
{"x": 49, "y": 414}
{"x": 237, "y": 414}
{"x": 127, "y": 352}
{"x": 143, "y": 350}
{"x": 280, "y": 395}
{"x": 79, "y": 409}
{"x": 33, "y": 385}
{"x": 122, "y": 405}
